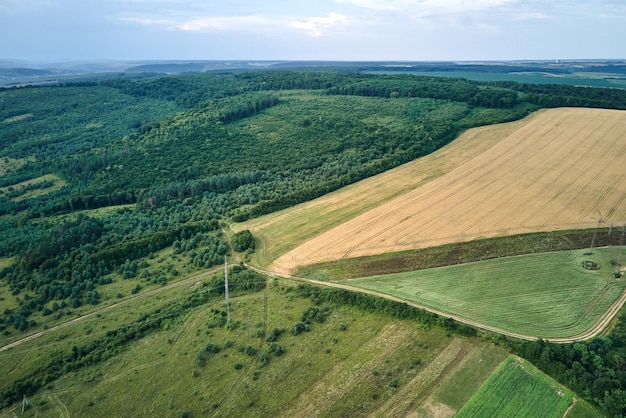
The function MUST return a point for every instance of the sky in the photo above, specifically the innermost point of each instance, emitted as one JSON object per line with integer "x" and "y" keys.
{"x": 346, "y": 30}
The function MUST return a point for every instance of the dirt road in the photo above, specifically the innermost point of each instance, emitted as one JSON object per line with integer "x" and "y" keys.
{"x": 189, "y": 280}
{"x": 592, "y": 332}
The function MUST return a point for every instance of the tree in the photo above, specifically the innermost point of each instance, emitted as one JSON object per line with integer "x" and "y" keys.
{"x": 243, "y": 241}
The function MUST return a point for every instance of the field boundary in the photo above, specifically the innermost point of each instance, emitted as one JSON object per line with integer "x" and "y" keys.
{"x": 460, "y": 253}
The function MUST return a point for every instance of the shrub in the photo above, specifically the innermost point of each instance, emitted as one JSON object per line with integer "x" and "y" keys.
{"x": 276, "y": 349}
{"x": 273, "y": 336}
{"x": 315, "y": 314}
{"x": 264, "y": 357}
{"x": 200, "y": 360}
{"x": 300, "y": 327}
{"x": 212, "y": 348}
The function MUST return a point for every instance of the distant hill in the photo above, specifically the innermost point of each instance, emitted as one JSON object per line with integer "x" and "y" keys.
{"x": 23, "y": 72}
{"x": 169, "y": 67}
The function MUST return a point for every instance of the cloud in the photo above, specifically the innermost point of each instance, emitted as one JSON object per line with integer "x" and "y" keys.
{"x": 314, "y": 26}
{"x": 427, "y": 16}
{"x": 205, "y": 24}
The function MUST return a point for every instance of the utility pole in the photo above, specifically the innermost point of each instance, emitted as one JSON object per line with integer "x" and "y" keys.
{"x": 619, "y": 252}
{"x": 595, "y": 234}
{"x": 226, "y": 292}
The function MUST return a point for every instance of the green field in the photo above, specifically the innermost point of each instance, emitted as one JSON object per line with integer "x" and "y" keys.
{"x": 350, "y": 363}
{"x": 517, "y": 389}
{"x": 547, "y": 295}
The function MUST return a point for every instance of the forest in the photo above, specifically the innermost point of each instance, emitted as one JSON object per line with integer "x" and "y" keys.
{"x": 174, "y": 158}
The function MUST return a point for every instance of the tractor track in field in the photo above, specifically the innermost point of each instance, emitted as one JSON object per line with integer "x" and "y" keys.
{"x": 252, "y": 362}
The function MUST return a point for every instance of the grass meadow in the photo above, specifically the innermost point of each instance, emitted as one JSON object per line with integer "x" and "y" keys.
{"x": 354, "y": 363}
{"x": 55, "y": 184}
{"x": 8, "y": 164}
{"x": 547, "y": 295}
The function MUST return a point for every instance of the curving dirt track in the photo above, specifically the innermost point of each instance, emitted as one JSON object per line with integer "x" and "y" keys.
{"x": 594, "y": 331}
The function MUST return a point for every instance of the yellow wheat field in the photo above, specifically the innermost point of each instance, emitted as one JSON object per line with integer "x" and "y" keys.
{"x": 559, "y": 169}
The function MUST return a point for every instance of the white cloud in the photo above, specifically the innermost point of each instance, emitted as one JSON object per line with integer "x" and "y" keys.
{"x": 204, "y": 24}
{"x": 314, "y": 26}
{"x": 437, "y": 15}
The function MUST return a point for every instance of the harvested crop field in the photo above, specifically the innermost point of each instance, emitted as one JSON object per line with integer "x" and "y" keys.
{"x": 559, "y": 169}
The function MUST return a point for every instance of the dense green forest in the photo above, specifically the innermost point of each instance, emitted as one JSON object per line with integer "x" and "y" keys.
{"x": 171, "y": 158}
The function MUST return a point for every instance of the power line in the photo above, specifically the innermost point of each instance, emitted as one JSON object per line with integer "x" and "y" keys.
{"x": 619, "y": 253}
{"x": 595, "y": 234}
{"x": 226, "y": 291}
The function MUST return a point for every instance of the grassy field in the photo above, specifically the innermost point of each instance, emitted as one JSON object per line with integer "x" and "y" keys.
{"x": 56, "y": 184}
{"x": 8, "y": 164}
{"x": 517, "y": 389}
{"x": 352, "y": 364}
{"x": 98, "y": 213}
{"x": 559, "y": 169}
{"x": 547, "y": 295}
{"x": 6, "y": 262}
